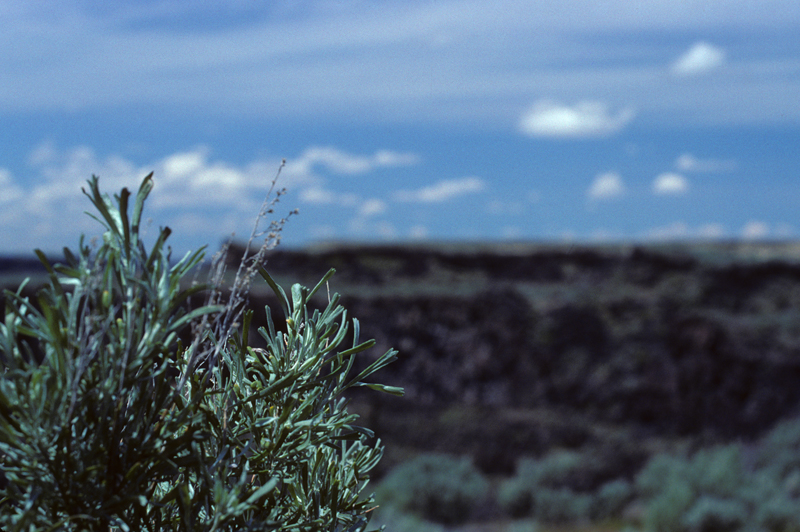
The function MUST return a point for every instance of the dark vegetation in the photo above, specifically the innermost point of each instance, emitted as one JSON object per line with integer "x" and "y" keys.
{"x": 697, "y": 342}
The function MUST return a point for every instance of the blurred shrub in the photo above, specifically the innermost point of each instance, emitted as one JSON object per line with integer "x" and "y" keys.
{"x": 713, "y": 491}
{"x": 438, "y": 487}
{"x": 611, "y": 499}
{"x": 666, "y": 509}
{"x": 779, "y": 513}
{"x": 718, "y": 471}
{"x": 714, "y": 514}
{"x": 775, "y": 491}
{"x": 561, "y": 505}
{"x": 780, "y": 449}
{"x": 543, "y": 489}
{"x": 671, "y": 485}
{"x": 398, "y": 521}
{"x": 660, "y": 471}
{"x": 524, "y": 525}
{"x": 515, "y": 495}
{"x": 558, "y": 469}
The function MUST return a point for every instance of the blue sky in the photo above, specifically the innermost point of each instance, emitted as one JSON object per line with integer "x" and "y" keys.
{"x": 558, "y": 120}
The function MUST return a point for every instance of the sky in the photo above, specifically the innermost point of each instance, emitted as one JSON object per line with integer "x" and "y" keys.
{"x": 404, "y": 121}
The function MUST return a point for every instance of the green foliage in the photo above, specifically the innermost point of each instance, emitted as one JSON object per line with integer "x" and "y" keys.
{"x": 437, "y": 487}
{"x": 400, "y": 521}
{"x": 712, "y": 491}
{"x": 662, "y": 469}
{"x": 109, "y": 421}
{"x": 611, "y": 499}
{"x": 515, "y": 495}
{"x": 775, "y": 490}
{"x": 715, "y": 514}
{"x": 540, "y": 489}
{"x": 524, "y": 525}
{"x": 555, "y": 469}
{"x": 718, "y": 471}
{"x": 665, "y": 511}
{"x": 780, "y": 513}
{"x": 779, "y": 449}
{"x": 561, "y": 505}
{"x": 672, "y": 486}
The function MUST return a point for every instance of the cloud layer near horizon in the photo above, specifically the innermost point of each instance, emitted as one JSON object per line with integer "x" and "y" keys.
{"x": 191, "y": 182}
{"x": 199, "y": 195}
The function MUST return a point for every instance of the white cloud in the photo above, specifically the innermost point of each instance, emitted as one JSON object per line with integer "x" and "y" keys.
{"x": 220, "y": 176}
{"x": 9, "y": 191}
{"x": 442, "y": 191}
{"x": 754, "y": 230}
{"x": 182, "y": 165}
{"x": 193, "y": 192}
{"x": 47, "y": 211}
{"x": 670, "y": 183}
{"x": 584, "y": 119}
{"x": 340, "y": 162}
{"x": 687, "y": 162}
{"x": 393, "y": 158}
{"x": 62, "y": 174}
{"x": 606, "y": 186}
{"x": 372, "y": 207}
{"x": 335, "y": 160}
{"x": 185, "y": 179}
{"x": 318, "y": 195}
{"x": 702, "y": 57}
{"x": 190, "y": 179}
{"x": 198, "y": 197}
{"x": 220, "y": 182}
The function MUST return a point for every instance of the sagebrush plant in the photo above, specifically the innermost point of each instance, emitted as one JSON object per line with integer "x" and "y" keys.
{"x": 109, "y": 421}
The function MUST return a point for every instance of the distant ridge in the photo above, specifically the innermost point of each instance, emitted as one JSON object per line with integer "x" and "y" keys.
{"x": 20, "y": 264}
{"x": 710, "y": 252}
